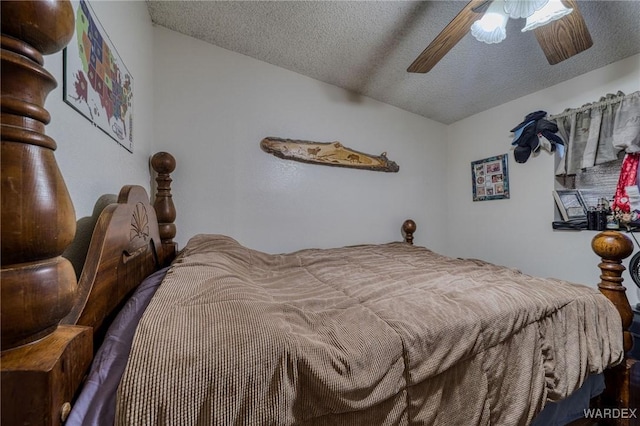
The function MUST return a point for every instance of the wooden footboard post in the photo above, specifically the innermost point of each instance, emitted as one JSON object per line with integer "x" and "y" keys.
{"x": 38, "y": 219}
{"x": 613, "y": 247}
{"x": 42, "y": 362}
{"x": 408, "y": 228}
{"x": 164, "y": 164}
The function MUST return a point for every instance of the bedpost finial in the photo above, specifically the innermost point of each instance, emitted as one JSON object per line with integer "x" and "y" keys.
{"x": 612, "y": 245}
{"x": 163, "y": 163}
{"x": 408, "y": 228}
{"x": 47, "y": 26}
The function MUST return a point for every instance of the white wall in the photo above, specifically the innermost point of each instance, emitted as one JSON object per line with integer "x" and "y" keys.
{"x": 212, "y": 108}
{"x": 517, "y": 232}
{"x": 91, "y": 162}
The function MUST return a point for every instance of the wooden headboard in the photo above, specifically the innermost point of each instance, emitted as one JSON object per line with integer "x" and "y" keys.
{"x": 125, "y": 248}
{"x": 49, "y": 320}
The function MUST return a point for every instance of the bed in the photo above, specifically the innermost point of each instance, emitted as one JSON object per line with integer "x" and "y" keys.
{"x": 411, "y": 338}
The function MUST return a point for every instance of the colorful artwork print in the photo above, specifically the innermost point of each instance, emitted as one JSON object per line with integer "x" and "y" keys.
{"x": 490, "y": 178}
{"x": 96, "y": 82}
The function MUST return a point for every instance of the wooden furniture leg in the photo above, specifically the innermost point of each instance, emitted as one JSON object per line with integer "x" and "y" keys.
{"x": 42, "y": 363}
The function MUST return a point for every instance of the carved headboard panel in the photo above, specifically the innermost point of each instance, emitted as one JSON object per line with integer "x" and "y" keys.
{"x": 125, "y": 248}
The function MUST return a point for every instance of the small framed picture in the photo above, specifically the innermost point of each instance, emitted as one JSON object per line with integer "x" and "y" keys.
{"x": 490, "y": 178}
{"x": 570, "y": 204}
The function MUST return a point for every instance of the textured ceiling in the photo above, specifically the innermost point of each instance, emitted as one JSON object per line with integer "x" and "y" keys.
{"x": 366, "y": 47}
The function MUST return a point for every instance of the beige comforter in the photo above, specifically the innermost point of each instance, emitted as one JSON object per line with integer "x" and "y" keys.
{"x": 361, "y": 335}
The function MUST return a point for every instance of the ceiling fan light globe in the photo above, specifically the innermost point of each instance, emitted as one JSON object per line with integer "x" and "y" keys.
{"x": 490, "y": 37}
{"x": 492, "y": 27}
{"x": 552, "y": 11}
{"x": 517, "y": 9}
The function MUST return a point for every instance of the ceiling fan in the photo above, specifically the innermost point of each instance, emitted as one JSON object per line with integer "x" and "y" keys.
{"x": 559, "y": 40}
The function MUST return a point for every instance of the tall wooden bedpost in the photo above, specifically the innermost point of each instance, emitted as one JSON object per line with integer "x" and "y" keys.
{"x": 164, "y": 164}
{"x": 42, "y": 362}
{"x": 613, "y": 247}
{"x": 38, "y": 220}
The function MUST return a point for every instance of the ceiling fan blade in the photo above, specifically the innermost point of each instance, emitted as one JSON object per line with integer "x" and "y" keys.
{"x": 449, "y": 36}
{"x": 565, "y": 37}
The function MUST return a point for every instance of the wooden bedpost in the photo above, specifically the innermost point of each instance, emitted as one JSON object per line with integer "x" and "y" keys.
{"x": 38, "y": 219}
{"x": 613, "y": 247}
{"x": 164, "y": 164}
{"x": 408, "y": 228}
{"x": 42, "y": 362}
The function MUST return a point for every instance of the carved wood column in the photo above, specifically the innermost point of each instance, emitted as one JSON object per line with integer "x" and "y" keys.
{"x": 38, "y": 219}
{"x": 42, "y": 363}
{"x": 164, "y": 164}
{"x": 613, "y": 247}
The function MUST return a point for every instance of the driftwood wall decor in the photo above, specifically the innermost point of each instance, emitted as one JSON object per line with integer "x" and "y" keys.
{"x": 327, "y": 153}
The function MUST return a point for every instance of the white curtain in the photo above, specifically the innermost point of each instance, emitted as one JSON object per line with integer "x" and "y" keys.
{"x": 595, "y": 133}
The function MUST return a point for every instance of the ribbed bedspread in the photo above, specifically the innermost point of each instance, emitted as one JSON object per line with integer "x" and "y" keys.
{"x": 362, "y": 335}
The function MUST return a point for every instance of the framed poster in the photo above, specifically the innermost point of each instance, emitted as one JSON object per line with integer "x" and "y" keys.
{"x": 97, "y": 84}
{"x": 490, "y": 178}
